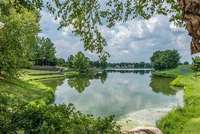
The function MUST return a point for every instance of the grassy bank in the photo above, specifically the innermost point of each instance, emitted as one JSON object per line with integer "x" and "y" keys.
{"x": 29, "y": 88}
{"x": 184, "y": 120}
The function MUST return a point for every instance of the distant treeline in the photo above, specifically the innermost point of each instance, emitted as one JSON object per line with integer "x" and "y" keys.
{"x": 125, "y": 65}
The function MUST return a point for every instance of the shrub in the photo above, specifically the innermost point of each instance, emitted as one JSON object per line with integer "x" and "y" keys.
{"x": 37, "y": 117}
{"x": 196, "y": 64}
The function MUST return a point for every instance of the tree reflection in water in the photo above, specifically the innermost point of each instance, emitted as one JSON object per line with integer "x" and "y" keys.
{"x": 53, "y": 83}
{"x": 81, "y": 82}
{"x": 162, "y": 85}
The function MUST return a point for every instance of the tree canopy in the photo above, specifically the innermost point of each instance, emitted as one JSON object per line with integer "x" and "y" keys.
{"x": 44, "y": 52}
{"x": 165, "y": 59}
{"x": 17, "y": 37}
{"x": 79, "y": 62}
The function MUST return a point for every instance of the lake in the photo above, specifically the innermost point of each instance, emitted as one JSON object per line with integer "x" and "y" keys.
{"x": 135, "y": 98}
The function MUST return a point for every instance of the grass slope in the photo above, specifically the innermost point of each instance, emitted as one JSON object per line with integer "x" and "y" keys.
{"x": 184, "y": 120}
{"x": 27, "y": 91}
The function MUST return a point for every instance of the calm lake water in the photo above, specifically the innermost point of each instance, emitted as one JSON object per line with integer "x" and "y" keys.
{"x": 135, "y": 98}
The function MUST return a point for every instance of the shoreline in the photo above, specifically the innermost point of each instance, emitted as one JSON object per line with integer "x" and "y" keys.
{"x": 184, "y": 120}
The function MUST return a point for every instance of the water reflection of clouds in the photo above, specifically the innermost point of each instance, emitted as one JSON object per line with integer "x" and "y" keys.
{"x": 133, "y": 94}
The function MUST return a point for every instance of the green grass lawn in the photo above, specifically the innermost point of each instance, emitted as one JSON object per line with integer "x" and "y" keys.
{"x": 28, "y": 88}
{"x": 184, "y": 120}
{"x": 26, "y": 91}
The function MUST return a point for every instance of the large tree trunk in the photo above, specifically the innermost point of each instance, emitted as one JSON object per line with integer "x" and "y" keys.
{"x": 191, "y": 12}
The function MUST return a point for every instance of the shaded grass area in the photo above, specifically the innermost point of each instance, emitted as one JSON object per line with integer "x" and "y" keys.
{"x": 27, "y": 91}
{"x": 184, "y": 120}
{"x": 173, "y": 73}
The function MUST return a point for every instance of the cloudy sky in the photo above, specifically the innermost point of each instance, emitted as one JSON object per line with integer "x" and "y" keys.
{"x": 133, "y": 41}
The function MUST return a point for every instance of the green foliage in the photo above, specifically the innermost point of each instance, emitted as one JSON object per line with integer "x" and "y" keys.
{"x": 196, "y": 64}
{"x": 84, "y": 17}
{"x": 27, "y": 91}
{"x": 37, "y": 117}
{"x": 17, "y": 37}
{"x": 167, "y": 59}
{"x": 79, "y": 62}
{"x": 44, "y": 52}
{"x": 61, "y": 62}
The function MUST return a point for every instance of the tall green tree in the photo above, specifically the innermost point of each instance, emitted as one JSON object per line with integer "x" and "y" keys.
{"x": 70, "y": 61}
{"x": 16, "y": 37}
{"x": 44, "y": 52}
{"x": 165, "y": 59}
{"x": 79, "y": 62}
{"x": 60, "y": 62}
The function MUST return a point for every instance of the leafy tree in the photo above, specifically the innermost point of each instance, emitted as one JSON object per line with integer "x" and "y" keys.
{"x": 60, "y": 62}
{"x": 79, "y": 62}
{"x": 16, "y": 37}
{"x": 70, "y": 61}
{"x": 165, "y": 59}
{"x": 44, "y": 52}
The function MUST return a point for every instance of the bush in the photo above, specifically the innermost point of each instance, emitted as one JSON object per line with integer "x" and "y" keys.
{"x": 37, "y": 117}
{"x": 196, "y": 64}
{"x": 167, "y": 59}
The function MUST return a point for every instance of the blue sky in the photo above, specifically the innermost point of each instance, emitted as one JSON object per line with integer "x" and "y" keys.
{"x": 133, "y": 41}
